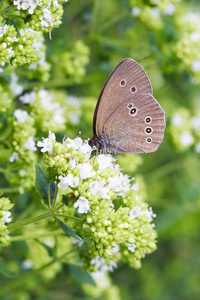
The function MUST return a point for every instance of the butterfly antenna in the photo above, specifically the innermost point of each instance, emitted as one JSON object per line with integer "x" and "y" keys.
{"x": 85, "y": 136}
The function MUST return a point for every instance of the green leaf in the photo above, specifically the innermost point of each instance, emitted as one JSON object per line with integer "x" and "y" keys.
{"x": 49, "y": 249}
{"x": 67, "y": 230}
{"x": 41, "y": 182}
{"x": 1, "y": 193}
{"x": 7, "y": 272}
{"x": 81, "y": 276}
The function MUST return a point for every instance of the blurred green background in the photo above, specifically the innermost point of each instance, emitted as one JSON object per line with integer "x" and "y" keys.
{"x": 107, "y": 32}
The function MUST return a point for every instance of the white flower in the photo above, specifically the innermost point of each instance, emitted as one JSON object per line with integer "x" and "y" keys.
{"x": 131, "y": 247}
{"x": 74, "y": 144}
{"x": 195, "y": 66}
{"x": 46, "y": 19}
{"x": 72, "y": 163}
{"x": 105, "y": 161}
{"x": 135, "y": 212}
{"x": 126, "y": 183}
{"x": 28, "y": 98}
{"x": 29, "y": 5}
{"x": 47, "y": 143}
{"x": 195, "y": 36}
{"x": 58, "y": 116}
{"x": 1, "y": 70}
{"x": 195, "y": 122}
{"x": 68, "y": 180}
{"x": 6, "y": 217}
{"x": 85, "y": 148}
{"x": 10, "y": 51}
{"x": 100, "y": 188}
{"x": 86, "y": 171}
{"x": 83, "y": 205}
{"x": 100, "y": 263}
{"x": 115, "y": 249}
{"x": 14, "y": 86}
{"x": 136, "y": 11}
{"x": 177, "y": 120}
{"x": 3, "y": 30}
{"x": 26, "y": 264}
{"x": 115, "y": 183}
{"x": 30, "y": 144}
{"x": 135, "y": 186}
{"x": 149, "y": 213}
{"x": 186, "y": 138}
{"x": 197, "y": 147}
{"x": 169, "y": 10}
{"x": 74, "y": 117}
{"x": 14, "y": 156}
{"x": 21, "y": 115}
{"x": 74, "y": 101}
{"x": 55, "y": 3}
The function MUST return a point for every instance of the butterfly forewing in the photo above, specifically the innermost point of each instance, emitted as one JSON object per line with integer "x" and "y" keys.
{"x": 135, "y": 129}
{"x": 126, "y": 81}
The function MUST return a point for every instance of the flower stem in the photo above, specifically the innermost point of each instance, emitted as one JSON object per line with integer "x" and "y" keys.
{"x": 55, "y": 197}
{"x": 22, "y": 279}
{"x": 68, "y": 217}
{"x": 49, "y": 196}
{"x": 35, "y": 236}
{"x": 29, "y": 221}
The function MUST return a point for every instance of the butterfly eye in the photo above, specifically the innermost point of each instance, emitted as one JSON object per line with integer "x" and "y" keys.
{"x": 133, "y": 89}
{"x": 148, "y": 130}
{"x": 148, "y": 120}
{"x": 130, "y": 105}
{"x": 149, "y": 140}
{"x": 123, "y": 82}
{"x": 133, "y": 111}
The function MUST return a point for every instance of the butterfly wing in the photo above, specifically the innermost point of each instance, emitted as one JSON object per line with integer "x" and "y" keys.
{"x": 135, "y": 129}
{"x": 128, "y": 79}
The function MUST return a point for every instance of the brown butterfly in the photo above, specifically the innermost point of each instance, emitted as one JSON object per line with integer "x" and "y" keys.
{"x": 127, "y": 117}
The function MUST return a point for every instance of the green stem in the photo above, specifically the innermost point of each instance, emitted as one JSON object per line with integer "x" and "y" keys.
{"x": 68, "y": 217}
{"x": 10, "y": 190}
{"x": 4, "y": 171}
{"x": 12, "y": 15}
{"x": 111, "y": 22}
{"x": 29, "y": 221}
{"x": 59, "y": 207}
{"x": 65, "y": 82}
{"x": 55, "y": 197}
{"x": 49, "y": 199}
{"x": 22, "y": 279}
{"x": 6, "y": 8}
{"x": 35, "y": 236}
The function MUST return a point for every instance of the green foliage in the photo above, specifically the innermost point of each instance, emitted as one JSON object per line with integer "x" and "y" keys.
{"x": 54, "y": 58}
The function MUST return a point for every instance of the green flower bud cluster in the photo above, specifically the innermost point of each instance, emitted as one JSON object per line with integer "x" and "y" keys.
{"x": 187, "y": 48}
{"x": 6, "y": 100}
{"x": 72, "y": 62}
{"x": 43, "y": 15}
{"x": 185, "y": 129}
{"x": 5, "y": 214}
{"x": 52, "y": 109}
{"x": 105, "y": 199}
{"x": 152, "y": 12}
{"x": 17, "y": 51}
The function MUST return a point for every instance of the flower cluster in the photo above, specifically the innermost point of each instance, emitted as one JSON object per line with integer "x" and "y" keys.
{"x": 72, "y": 61}
{"x": 185, "y": 129}
{"x": 43, "y": 14}
{"x": 114, "y": 222}
{"x": 5, "y": 217}
{"x": 152, "y": 13}
{"x": 187, "y": 48}
{"x": 17, "y": 50}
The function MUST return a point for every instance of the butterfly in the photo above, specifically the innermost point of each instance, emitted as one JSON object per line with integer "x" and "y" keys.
{"x": 127, "y": 118}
